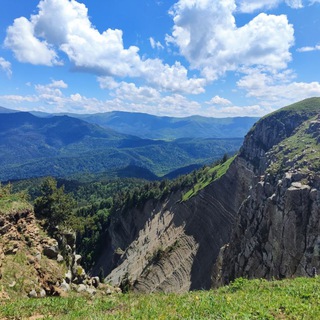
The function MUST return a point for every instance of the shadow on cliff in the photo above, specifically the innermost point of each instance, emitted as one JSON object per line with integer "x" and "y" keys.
{"x": 212, "y": 215}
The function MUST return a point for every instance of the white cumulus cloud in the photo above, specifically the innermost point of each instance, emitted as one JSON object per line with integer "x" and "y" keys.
{"x": 277, "y": 89}
{"x": 206, "y": 34}
{"x": 26, "y": 47}
{"x": 63, "y": 25}
{"x": 217, "y": 100}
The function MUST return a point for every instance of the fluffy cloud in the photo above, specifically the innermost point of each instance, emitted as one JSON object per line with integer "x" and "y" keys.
{"x": 206, "y": 34}
{"x": 277, "y": 89}
{"x": 107, "y": 83}
{"x": 129, "y": 97}
{"x": 219, "y": 101}
{"x": 26, "y": 47}
{"x": 308, "y": 49}
{"x": 221, "y": 107}
{"x": 5, "y": 66}
{"x": 63, "y": 25}
{"x": 125, "y": 97}
{"x": 249, "y": 6}
{"x": 131, "y": 93}
{"x": 170, "y": 78}
{"x": 51, "y": 94}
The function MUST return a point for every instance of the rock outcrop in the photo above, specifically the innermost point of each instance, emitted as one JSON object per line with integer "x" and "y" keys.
{"x": 277, "y": 232}
{"x": 32, "y": 264}
{"x": 24, "y": 266}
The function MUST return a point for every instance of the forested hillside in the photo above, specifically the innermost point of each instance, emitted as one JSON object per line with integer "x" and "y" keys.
{"x": 63, "y": 146}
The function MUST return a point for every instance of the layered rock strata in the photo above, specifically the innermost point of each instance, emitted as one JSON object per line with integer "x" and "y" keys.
{"x": 172, "y": 245}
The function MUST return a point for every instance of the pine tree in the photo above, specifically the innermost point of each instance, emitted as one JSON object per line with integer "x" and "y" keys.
{"x": 54, "y": 204}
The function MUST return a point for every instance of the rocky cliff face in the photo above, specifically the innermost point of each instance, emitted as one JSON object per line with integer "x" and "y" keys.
{"x": 31, "y": 263}
{"x": 172, "y": 245}
{"x": 262, "y": 216}
{"x": 24, "y": 266}
{"x": 277, "y": 232}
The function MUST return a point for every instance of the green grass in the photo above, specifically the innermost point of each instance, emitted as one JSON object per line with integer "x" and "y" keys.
{"x": 256, "y": 299}
{"x": 12, "y": 202}
{"x": 306, "y": 108}
{"x": 300, "y": 150}
{"x": 211, "y": 175}
{"x": 310, "y": 105}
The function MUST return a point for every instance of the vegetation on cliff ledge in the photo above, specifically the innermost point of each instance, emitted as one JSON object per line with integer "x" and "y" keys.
{"x": 300, "y": 151}
{"x": 208, "y": 175}
{"x": 10, "y": 201}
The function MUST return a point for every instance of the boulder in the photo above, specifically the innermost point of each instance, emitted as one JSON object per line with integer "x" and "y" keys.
{"x": 95, "y": 281}
{"x": 65, "y": 286}
{"x": 51, "y": 251}
{"x": 81, "y": 288}
{"x": 42, "y": 293}
{"x": 32, "y": 294}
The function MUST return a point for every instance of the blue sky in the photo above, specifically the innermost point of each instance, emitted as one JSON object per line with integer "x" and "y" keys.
{"x": 177, "y": 58}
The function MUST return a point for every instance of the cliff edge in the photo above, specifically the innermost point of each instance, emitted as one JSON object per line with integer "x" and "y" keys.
{"x": 277, "y": 230}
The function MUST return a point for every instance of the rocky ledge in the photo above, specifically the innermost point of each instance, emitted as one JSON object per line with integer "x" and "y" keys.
{"x": 32, "y": 264}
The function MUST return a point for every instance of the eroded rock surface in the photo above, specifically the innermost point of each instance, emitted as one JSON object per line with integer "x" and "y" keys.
{"x": 277, "y": 232}
{"x": 172, "y": 245}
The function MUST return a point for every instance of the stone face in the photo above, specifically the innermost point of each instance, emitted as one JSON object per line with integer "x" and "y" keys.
{"x": 185, "y": 236}
{"x": 277, "y": 232}
{"x": 281, "y": 240}
{"x": 95, "y": 282}
{"x": 51, "y": 252}
{"x": 42, "y": 293}
{"x": 77, "y": 258}
{"x": 68, "y": 276}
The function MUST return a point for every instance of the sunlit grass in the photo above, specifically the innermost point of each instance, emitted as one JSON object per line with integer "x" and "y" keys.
{"x": 256, "y": 299}
{"x": 213, "y": 174}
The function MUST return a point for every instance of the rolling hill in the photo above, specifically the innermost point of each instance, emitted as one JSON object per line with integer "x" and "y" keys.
{"x": 62, "y": 146}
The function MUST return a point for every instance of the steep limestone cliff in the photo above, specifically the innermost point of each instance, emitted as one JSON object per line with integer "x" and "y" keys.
{"x": 277, "y": 232}
{"x": 171, "y": 245}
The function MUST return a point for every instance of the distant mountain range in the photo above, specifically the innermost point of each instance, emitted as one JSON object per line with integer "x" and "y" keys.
{"x": 62, "y": 146}
{"x": 168, "y": 128}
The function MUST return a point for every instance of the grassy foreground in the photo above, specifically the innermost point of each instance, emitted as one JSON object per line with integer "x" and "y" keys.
{"x": 256, "y": 299}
